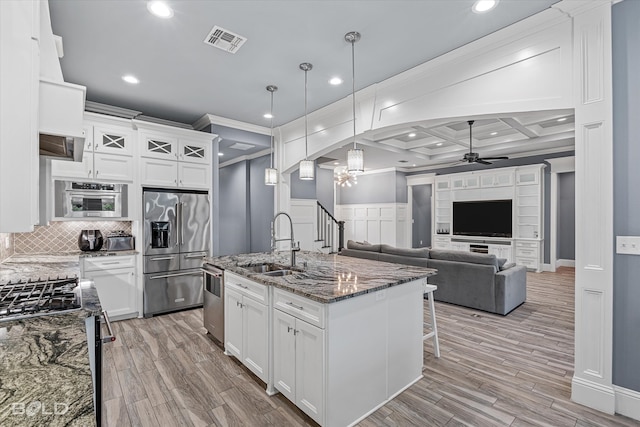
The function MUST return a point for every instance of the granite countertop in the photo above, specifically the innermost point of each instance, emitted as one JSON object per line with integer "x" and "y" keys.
{"x": 325, "y": 278}
{"x": 45, "y": 376}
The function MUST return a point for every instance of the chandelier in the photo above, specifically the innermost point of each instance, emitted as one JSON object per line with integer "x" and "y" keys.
{"x": 345, "y": 179}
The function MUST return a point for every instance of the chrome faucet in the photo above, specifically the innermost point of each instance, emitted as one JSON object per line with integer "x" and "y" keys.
{"x": 294, "y": 248}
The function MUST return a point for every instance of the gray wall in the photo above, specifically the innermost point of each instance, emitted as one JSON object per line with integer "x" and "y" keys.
{"x": 421, "y": 213}
{"x": 246, "y": 208}
{"x": 626, "y": 196}
{"x": 325, "y": 188}
{"x": 302, "y": 189}
{"x": 566, "y": 235}
{"x": 386, "y": 187}
{"x": 234, "y": 221}
{"x": 260, "y": 208}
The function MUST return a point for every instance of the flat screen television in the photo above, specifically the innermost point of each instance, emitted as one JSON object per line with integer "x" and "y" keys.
{"x": 489, "y": 218}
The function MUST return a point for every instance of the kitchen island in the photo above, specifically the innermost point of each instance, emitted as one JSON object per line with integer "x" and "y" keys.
{"x": 338, "y": 336}
{"x": 45, "y": 372}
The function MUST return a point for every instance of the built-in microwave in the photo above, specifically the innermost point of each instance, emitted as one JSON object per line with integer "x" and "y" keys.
{"x": 89, "y": 200}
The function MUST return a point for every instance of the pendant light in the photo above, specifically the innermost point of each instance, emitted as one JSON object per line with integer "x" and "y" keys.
{"x": 355, "y": 156}
{"x": 271, "y": 173}
{"x": 307, "y": 167}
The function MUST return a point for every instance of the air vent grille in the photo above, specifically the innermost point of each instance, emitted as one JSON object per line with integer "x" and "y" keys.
{"x": 224, "y": 39}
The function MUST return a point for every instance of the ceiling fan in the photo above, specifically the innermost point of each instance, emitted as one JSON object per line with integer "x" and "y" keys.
{"x": 472, "y": 157}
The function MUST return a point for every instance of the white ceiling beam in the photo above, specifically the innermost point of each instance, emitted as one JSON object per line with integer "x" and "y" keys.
{"x": 516, "y": 125}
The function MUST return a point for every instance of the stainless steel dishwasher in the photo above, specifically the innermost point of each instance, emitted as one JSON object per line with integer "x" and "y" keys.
{"x": 213, "y": 312}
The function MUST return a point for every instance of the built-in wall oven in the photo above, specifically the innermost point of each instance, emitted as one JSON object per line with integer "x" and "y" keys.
{"x": 89, "y": 199}
{"x": 213, "y": 312}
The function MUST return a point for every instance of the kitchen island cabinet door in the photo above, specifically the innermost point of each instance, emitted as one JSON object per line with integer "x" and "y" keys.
{"x": 233, "y": 323}
{"x": 117, "y": 291}
{"x": 310, "y": 369}
{"x": 284, "y": 354}
{"x": 255, "y": 344}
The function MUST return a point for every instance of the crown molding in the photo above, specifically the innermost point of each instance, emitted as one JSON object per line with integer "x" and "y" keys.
{"x": 210, "y": 119}
{"x": 246, "y": 157}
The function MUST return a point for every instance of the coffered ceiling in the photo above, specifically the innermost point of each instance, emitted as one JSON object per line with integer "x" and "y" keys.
{"x": 441, "y": 143}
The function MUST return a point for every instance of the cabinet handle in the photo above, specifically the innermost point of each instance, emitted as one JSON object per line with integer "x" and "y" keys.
{"x": 289, "y": 329}
{"x": 239, "y": 304}
{"x": 299, "y": 307}
{"x": 162, "y": 258}
{"x": 97, "y": 172}
{"x": 110, "y": 263}
{"x": 89, "y": 173}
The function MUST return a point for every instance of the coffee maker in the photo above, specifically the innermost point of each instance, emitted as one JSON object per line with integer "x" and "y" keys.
{"x": 90, "y": 240}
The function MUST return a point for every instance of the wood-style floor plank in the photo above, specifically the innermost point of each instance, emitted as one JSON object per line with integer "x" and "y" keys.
{"x": 494, "y": 370}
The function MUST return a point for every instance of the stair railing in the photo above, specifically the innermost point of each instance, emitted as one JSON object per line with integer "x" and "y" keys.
{"x": 326, "y": 229}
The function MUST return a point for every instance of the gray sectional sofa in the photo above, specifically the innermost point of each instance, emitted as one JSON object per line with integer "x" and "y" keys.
{"x": 478, "y": 281}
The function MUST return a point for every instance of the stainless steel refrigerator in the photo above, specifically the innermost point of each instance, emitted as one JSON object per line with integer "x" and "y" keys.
{"x": 176, "y": 239}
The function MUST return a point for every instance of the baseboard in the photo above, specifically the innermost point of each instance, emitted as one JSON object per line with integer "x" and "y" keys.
{"x": 566, "y": 263}
{"x": 627, "y": 402}
{"x": 548, "y": 267}
{"x": 593, "y": 395}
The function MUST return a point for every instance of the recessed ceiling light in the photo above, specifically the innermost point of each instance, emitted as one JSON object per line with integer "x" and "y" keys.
{"x": 412, "y": 135}
{"x": 414, "y": 165}
{"x": 439, "y": 144}
{"x": 493, "y": 133}
{"x": 220, "y": 154}
{"x": 335, "y": 81}
{"x": 482, "y": 6}
{"x": 562, "y": 119}
{"x": 160, "y": 9}
{"x": 267, "y": 116}
{"x": 131, "y": 79}
{"x": 336, "y": 163}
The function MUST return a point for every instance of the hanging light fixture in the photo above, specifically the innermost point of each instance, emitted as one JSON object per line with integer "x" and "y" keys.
{"x": 355, "y": 156}
{"x": 307, "y": 167}
{"x": 344, "y": 178}
{"x": 271, "y": 173}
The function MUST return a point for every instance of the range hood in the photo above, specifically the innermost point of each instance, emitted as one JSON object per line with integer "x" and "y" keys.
{"x": 60, "y": 120}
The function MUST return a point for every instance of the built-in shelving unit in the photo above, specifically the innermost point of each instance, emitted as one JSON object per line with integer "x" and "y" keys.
{"x": 523, "y": 185}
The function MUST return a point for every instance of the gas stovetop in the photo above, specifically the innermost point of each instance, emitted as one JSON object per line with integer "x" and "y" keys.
{"x": 38, "y": 298}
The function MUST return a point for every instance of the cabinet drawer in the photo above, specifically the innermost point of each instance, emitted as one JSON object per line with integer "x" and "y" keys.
{"x": 108, "y": 262}
{"x": 527, "y": 252}
{"x": 247, "y": 287}
{"x": 302, "y": 308}
{"x": 527, "y": 262}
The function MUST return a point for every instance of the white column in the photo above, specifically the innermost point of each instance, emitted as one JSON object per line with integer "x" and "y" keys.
{"x": 592, "y": 381}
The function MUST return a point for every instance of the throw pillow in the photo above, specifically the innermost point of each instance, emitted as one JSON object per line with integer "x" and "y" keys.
{"x": 507, "y": 266}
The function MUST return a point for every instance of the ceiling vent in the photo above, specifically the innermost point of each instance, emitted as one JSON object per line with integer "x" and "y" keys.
{"x": 241, "y": 146}
{"x": 224, "y": 39}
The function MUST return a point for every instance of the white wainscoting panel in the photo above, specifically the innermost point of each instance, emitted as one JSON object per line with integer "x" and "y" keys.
{"x": 375, "y": 223}
{"x": 303, "y": 214}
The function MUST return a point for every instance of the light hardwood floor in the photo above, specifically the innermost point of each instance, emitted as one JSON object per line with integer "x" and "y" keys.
{"x": 494, "y": 370}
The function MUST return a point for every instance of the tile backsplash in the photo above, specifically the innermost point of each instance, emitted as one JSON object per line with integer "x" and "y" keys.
{"x": 61, "y": 236}
{"x": 5, "y": 252}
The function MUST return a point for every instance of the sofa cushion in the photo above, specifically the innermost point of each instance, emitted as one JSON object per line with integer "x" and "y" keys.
{"x": 362, "y": 246}
{"x": 413, "y": 253}
{"x": 507, "y": 265}
{"x": 360, "y": 254}
{"x": 406, "y": 260}
{"x": 501, "y": 262}
{"x": 460, "y": 256}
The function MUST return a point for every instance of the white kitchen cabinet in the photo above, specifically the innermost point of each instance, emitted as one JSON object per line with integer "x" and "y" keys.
{"x": 108, "y": 155}
{"x": 171, "y": 158}
{"x": 246, "y": 328}
{"x": 298, "y": 352}
{"x": 529, "y": 254}
{"x": 19, "y": 104}
{"x": 115, "y": 280}
{"x": 443, "y": 184}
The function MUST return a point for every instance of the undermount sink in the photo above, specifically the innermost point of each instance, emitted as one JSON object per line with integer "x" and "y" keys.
{"x": 279, "y": 273}
{"x": 265, "y": 268}
{"x": 270, "y": 269}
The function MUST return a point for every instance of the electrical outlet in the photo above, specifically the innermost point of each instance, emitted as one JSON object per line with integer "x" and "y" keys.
{"x": 629, "y": 245}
